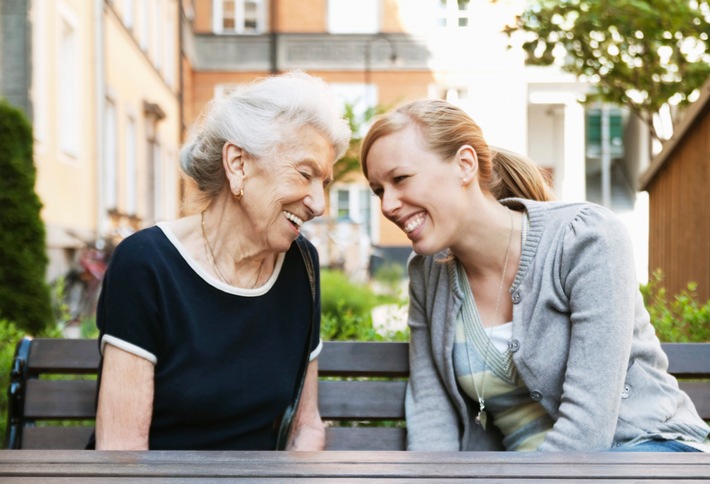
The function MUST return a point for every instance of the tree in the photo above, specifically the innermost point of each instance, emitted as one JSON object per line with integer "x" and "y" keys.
{"x": 351, "y": 159}
{"x": 642, "y": 54}
{"x": 24, "y": 295}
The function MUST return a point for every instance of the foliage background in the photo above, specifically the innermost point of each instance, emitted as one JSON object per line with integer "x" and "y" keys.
{"x": 24, "y": 295}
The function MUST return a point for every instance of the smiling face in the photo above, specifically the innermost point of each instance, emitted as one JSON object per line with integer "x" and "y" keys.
{"x": 421, "y": 193}
{"x": 287, "y": 187}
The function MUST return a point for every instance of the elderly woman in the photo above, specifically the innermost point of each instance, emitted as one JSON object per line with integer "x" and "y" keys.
{"x": 204, "y": 320}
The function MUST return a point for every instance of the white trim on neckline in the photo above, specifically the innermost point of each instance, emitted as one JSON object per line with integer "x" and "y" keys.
{"x": 213, "y": 281}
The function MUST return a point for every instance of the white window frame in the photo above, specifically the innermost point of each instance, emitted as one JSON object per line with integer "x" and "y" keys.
{"x": 157, "y": 44}
{"x": 68, "y": 76}
{"x": 130, "y": 166}
{"x": 158, "y": 188}
{"x": 354, "y": 191}
{"x": 110, "y": 154}
{"x": 452, "y": 14}
{"x": 239, "y": 17}
{"x": 354, "y": 16}
{"x": 144, "y": 37}
{"x": 170, "y": 50}
{"x": 40, "y": 98}
{"x": 127, "y": 14}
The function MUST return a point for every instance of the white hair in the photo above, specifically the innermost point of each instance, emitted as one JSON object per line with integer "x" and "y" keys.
{"x": 258, "y": 117}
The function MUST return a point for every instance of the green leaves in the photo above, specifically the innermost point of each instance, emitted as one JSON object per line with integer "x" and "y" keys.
{"x": 640, "y": 53}
{"x": 681, "y": 318}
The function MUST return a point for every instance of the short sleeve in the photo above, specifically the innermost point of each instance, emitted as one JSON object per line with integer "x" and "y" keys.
{"x": 127, "y": 314}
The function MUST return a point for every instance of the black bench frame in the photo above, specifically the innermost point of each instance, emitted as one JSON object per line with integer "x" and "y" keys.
{"x": 361, "y": 382}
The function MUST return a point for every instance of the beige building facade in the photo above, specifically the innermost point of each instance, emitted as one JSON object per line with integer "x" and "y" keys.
{"x": 114, "y": 86}
{"x": 105, "y": 106}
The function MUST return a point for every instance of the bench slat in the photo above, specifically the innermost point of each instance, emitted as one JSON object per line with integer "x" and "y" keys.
{"x": 56, "y": 437}
{"x": 57, "y": 355}
{"x": 339, "y": 400}
{"x": 60, "y": 399}
{"x": 699, "y": 393}
{"x": 349, "y": 358}
{"x": 688, "y": 360}
{"x": 365, "y": 438}
{"x": 361, "y": 400}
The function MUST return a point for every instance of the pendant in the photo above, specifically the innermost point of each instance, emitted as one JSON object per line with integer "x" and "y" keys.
{"x": 481, "y": 419}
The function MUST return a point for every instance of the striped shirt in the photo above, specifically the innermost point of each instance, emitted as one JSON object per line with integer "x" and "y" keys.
{"x": 481, "y": 366}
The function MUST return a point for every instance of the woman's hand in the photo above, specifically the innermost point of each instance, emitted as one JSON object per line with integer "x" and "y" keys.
{"x": 308, "y": 432}
{"x": 125, "y": 406}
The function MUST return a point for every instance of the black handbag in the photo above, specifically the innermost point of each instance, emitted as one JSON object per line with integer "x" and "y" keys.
{"x": 287, "y": 418}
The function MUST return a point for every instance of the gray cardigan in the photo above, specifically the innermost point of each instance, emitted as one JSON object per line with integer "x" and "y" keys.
{"x": 582, "y": 342}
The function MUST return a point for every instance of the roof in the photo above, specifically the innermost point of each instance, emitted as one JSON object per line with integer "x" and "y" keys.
{"x": 693, "y": 113}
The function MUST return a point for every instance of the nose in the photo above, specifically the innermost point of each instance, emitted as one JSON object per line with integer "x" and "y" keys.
{"x": 315, "y": 200}
{"x": 390, "y": 203}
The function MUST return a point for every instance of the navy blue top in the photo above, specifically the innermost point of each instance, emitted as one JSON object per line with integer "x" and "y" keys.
{"x": 226, "y": 360}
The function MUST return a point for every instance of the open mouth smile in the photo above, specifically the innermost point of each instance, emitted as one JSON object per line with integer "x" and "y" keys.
{"x": 295, "y": 220}
{"x": 413, "y": 223}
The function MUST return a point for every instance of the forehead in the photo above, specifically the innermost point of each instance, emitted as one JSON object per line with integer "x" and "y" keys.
{"x": 306, "y": 145}
{"x": 399, "y": 149}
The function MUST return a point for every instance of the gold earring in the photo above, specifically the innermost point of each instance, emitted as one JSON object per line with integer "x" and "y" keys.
{"x": 238, "y": 196}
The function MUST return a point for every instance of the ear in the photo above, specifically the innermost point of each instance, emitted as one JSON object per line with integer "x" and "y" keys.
{"x": 467, "y": 162}
{"x": 233, "y": 160}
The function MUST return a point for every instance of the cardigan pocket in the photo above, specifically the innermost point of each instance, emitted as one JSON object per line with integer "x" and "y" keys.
{"x": 646, "y": 400}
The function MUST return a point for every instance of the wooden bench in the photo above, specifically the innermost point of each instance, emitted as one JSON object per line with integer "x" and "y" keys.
{"x": 361, "y": 382}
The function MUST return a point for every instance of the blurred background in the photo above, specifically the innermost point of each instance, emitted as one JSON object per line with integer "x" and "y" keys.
{"x": 612, "y": 102}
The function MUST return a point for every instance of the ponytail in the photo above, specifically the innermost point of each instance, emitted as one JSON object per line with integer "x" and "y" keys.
{"x": 514, "y": 175}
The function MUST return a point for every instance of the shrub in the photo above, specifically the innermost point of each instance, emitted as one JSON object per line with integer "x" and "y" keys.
{"x": 9, "y": 336}
{"x": 24, "y": 295}
{"x": 680, "y": 319}
{"x": 346, "y": 309}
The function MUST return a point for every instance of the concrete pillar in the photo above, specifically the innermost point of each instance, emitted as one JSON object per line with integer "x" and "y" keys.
{"x": 15, "y": 54}
{"x": 574, "y": 185}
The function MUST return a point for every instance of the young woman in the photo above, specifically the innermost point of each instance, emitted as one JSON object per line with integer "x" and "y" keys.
{"x": 528, "y": 330}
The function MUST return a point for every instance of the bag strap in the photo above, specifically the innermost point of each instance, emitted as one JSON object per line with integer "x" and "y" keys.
{"x": 287, "y": 419}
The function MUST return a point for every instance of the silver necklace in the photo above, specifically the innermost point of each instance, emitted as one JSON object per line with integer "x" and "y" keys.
{"x": 481, "y": 417}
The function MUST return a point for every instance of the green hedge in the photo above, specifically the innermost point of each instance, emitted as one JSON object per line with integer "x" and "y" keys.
{"x": 681, "y": 318}
{"x": 24, "y": 295}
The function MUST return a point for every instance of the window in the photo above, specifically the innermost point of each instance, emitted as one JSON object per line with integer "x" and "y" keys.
{"x": 68, "y": 66}
{"x": 39, "y": 75}
{"x": 170, "y": 53}
{"x": 353, "y": 16}
{"x": 157, "y": 44}
{"x": 354, "y": 203}
{"x": 454, "y": 13}
{"x": 130, "y": 165}
{"x": 128, "y": 14}
{"x": 145, "y": 25}
{"x": 110, "y": 177}
{"x": 239, "y": 16}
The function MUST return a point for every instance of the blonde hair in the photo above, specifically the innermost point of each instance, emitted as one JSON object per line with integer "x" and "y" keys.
{"x": 515, "y": 175}
{"x": 444, "y": 129}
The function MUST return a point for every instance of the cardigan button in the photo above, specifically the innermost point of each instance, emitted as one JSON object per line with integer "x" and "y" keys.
{"x": 513, "y": 345}
{"x": 625, "y": 392}
{"x": 535, "y": 395}
{"x": 516, "y": 297}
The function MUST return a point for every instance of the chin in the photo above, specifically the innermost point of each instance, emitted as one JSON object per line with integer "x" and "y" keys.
{"x": 424, "y": 250}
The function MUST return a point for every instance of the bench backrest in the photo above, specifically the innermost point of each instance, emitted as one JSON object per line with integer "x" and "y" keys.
{"x": 361, "y": 383}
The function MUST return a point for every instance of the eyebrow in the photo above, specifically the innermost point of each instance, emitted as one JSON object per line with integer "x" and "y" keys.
{"x": 316, "y": 170}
